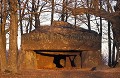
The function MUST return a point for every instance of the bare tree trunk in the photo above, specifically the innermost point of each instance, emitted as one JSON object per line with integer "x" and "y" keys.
{"x": 101, "y": 27}
{"x": 52, "y": 13}
{"x": 109, "y": 39}
{"x": 63, "y": 11}
{"x": 89, "y": 25}
{"x": 88, "y": 17}
{"x": 75, "y": 15}
{"x": 3, "y": 39}
{"x": 109, "y": 45}
{"x": 113, "y": 54}
{"x": 64, "y": 16}
{"x": 20, "y": 17}
{"x": 101, "y": 34}
{"x": 13, "y": 49}
{"x": 34, "y": 9}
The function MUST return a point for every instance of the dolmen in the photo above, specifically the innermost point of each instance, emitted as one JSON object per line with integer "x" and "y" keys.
{"x": 61, "y": 38}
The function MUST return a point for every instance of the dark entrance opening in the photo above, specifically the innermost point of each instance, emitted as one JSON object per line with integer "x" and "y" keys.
{"x": 61, "y": 54}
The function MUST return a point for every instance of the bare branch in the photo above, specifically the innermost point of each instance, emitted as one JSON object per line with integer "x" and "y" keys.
{"x": 101, "y": 13}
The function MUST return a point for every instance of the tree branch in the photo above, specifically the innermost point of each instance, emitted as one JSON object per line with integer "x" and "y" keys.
{"x": 100, "y": 13}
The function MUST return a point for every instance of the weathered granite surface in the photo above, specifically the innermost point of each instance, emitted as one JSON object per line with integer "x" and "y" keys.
{"x": 61, "y": 37}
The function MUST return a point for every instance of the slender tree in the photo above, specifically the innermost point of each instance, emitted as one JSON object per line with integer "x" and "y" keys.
{"x": 109, "y": 45}
{"x": 101, "y": 26}
{"x": 3, "y": 36}
{"x": 13, "y": 49}
{"x": 52, "y": 12}
{"x": 88, "y": 17}
{"x": 35, "y": 8}
{"x": 63, "y": 11}
{"x": 20, "y": 17}
{"x": 114, "y": 62}
{"x": 75, "y": 15}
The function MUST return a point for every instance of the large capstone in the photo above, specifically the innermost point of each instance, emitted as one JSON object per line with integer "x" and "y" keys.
{"x": 61, "y": 38}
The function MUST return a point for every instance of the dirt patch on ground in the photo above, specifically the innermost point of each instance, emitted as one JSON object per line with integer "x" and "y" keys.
{"x": 64, "y": 73}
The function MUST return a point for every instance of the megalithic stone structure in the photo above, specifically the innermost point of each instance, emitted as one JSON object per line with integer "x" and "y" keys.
{"x": 61, "y": 36}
